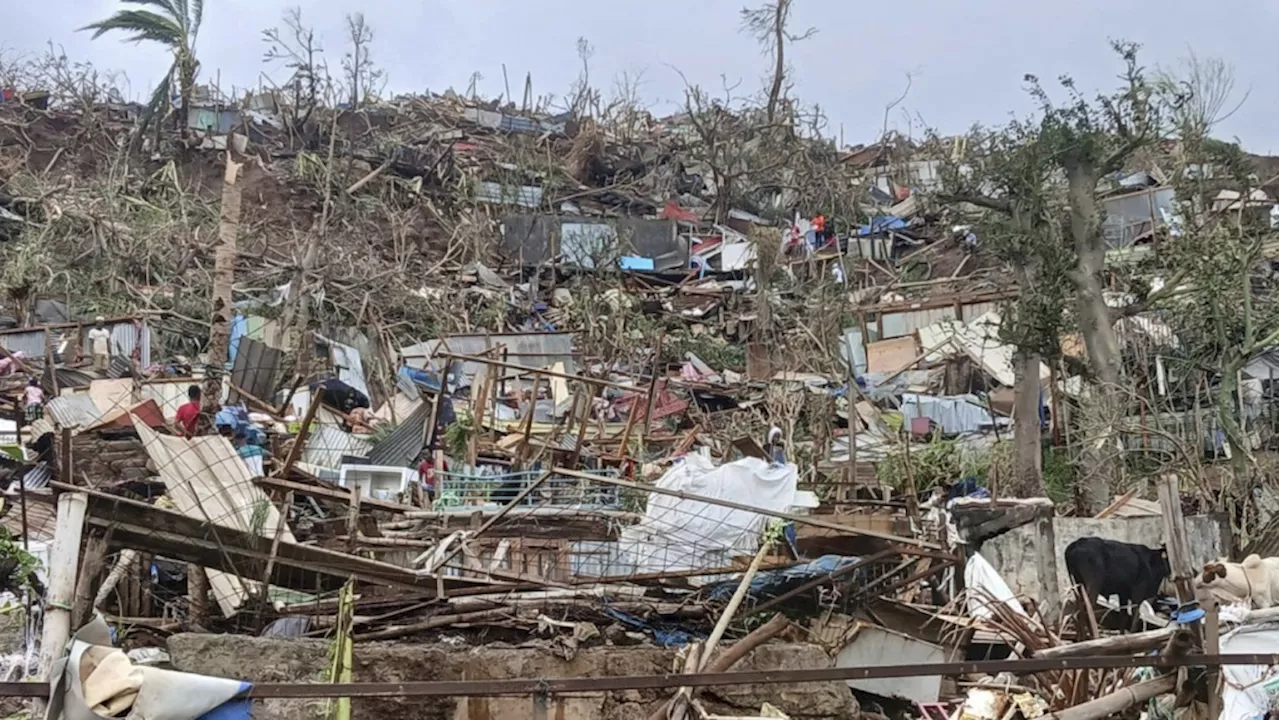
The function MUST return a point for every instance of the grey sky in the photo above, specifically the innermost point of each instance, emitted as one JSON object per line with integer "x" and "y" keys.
{"x": 967, "y": 59}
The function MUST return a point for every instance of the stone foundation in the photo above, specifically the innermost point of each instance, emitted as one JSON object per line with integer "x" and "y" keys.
{"x": 300, "y": 660}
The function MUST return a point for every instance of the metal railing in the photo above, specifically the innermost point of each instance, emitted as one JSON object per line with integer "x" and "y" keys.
{"x": 468, "y": 492}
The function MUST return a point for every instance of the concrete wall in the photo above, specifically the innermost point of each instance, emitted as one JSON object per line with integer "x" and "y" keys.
{"x": 1013, "y": 554}
{"x": 295, "y": 660}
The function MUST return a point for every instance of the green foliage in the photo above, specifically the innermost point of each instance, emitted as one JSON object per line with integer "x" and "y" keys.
{"x": 940, "y": 462}
{"x": 457, "y": 436}
{"x": 1059, "y": 474}
{"x": 25, "y": 564}
{"x": 712, "y": 350}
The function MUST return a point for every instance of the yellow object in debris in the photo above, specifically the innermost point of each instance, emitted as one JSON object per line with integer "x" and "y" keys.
{"x": 1029, "y": 705}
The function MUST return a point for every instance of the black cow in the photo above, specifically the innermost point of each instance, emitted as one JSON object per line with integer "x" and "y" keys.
{"x": 1108, "y": 567}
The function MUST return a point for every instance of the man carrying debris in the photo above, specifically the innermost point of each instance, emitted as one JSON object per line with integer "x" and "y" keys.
{"x": 100, "y": 345}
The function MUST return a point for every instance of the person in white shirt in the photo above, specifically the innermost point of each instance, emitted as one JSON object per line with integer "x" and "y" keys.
{"x": 100, "y": 345}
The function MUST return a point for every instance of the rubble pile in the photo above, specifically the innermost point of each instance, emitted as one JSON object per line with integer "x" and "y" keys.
{"x": 565, "y": 383}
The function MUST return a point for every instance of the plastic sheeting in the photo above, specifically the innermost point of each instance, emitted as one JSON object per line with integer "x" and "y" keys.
{"x": 955, "y": 414}
{"x": 772, "y": 583}
{"x": 678, "y": 534}
{"x": 1249, "y": 691}
{"x": 93, "y": 672}
{"x": 979, "y": 575}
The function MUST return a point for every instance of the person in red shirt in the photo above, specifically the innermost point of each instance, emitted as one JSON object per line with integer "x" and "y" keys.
{"x": 189, "y": 412}
{"x": 427, "y": 476}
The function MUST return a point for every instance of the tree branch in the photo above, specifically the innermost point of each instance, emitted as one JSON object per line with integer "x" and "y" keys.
{"x": 983, "y": 201}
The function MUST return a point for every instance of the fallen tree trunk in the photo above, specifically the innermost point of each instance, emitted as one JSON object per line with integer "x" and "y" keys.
{"x": 734, "y": 653}
{"x": 1118, "y": 645}
{"x": 1119, "y": 700}
{"x": 1134, "y": 642}
{"x": 436, "y": 622}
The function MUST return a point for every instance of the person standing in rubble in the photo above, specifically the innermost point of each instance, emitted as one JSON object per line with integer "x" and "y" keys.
{"x": 189, "y": 413}
{"x": 100, "y": 345}
{"x": 33, "y": 399}
{"x": 427, "y": 476}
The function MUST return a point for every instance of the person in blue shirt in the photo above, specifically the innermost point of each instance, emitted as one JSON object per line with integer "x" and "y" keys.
{"x": 245, "y": 448}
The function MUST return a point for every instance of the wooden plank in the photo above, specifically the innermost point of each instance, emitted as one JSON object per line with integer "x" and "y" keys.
{"x": 330, "y": 493}
{"x": 301, "y": 567}
{"x": 893, "y": 354}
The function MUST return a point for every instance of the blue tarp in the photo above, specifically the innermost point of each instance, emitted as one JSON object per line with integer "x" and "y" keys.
{"x": 880, "y": 224}
{"x": 239, "y": 328}
{"x": 426, "y": 378}
{"x": 772, "y": 583}
{"x": 635, "y": 262}
{"x": 237, "y": 709}
{"x": 668, "y": 636}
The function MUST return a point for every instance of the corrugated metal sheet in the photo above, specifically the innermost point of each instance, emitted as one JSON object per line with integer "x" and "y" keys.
{"x": 255, "y": 370}
{"x": 894, "y": 325}
{"x": 349, "y": 364}
{"x": 206, "y": 480}
{"x": 68, "y": 378}
{"x": 125, "y": 338}
{"x": 401, "y": 447}
{"x": 531, "y": 350}
{"x": 399, "y": 407}
{"x": 514, "y": 123}
{"x": 326, "y": 446}
{"x": 30, "y": 342}
{"x": 37, "y": 478}
{"x": 969, "y": 313}
{"x": 120, "y": 367}
{"x": 529, "y": 196}
{"x": 72, "y": 411}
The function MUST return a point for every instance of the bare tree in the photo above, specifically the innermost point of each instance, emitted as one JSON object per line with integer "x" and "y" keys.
{"x": 1201, "y": 91}
{"x": 300, "y": 52}
{"x": 581, "y": 95}
{"x": 357, "y": 66}
{"x": 768, "y": 24}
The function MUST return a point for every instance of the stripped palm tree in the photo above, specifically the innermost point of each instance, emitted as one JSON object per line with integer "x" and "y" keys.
{"x": 173, "y": 23}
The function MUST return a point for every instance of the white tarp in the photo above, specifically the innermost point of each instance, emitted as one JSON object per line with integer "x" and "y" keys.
{"x": 1249, "y": 690}
{"x": 678, "y": 534}
{"x": 95, "y": 680}
{"x": 207, "y": 480}
{"x": 979, "y": 575}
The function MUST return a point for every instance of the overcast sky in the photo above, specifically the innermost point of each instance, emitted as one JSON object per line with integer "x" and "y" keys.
{"x": 967, "y": 59}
